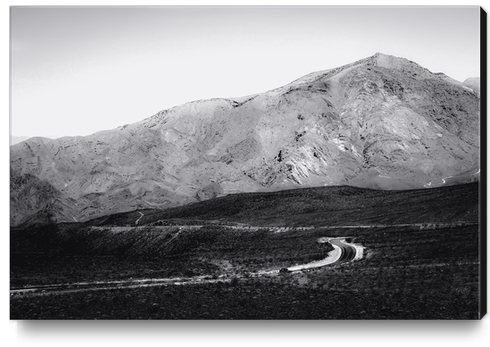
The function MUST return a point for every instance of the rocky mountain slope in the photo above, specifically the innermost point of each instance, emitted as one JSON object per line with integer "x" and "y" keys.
{"x": 381, "y": 122}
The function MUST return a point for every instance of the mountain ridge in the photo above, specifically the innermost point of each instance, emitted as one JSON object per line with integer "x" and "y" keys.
{"x": 380, "y": 122}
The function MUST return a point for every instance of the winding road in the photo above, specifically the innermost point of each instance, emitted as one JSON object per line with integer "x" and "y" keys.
{"x": 342, "y": 253}
{"x": 348, "y": 251}
{"x": 136, "y": 223}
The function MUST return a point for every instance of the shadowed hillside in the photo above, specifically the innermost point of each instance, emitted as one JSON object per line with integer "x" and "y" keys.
{"x": 425, "y": 267}
{"x": 341, "y": 205}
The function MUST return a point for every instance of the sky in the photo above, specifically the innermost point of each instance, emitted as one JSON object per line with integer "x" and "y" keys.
{"x": 78, "y": 70}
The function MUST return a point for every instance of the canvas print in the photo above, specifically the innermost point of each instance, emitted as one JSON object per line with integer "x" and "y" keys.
{"x": 182, "y": 163}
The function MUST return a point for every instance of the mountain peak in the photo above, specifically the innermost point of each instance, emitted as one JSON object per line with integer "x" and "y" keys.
{"x": 381, "y": 122}
{"x": 379, "y": 54}
{"x": 390, "y": 61}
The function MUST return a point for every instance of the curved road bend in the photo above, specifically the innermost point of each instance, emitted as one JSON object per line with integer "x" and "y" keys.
{"x": 347, "y": 253}
{"x": 136, "y": 223}
{"x": 342, "y": 253}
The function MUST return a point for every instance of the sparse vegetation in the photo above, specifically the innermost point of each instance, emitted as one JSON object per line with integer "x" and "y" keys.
{"x": 425, "y": 276}
{"x": 338, "y": 205}
{"x": 428, "y": 270}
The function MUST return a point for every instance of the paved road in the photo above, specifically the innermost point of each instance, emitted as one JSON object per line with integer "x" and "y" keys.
{"x": 348, "y": 252}
{"x": 343, "y": 253}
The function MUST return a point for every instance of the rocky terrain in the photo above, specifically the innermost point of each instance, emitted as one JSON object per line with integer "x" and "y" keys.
{"x": 381, "y": 122}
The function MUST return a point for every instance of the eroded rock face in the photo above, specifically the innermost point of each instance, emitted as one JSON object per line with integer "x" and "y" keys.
{"x": 382, "y": 122}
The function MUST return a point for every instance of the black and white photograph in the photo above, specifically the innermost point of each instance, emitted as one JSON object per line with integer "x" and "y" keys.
{"x": 247, "y": 163}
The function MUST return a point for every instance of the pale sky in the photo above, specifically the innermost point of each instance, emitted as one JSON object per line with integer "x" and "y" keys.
{"x": 79, "y": 70}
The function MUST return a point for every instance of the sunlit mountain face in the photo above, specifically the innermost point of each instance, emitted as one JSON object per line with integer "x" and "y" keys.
{"x": 382, "y": 122}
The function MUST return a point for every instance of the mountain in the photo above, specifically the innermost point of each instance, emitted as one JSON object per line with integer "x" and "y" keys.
{"x": 381, "y": 122}
{"x": 473, "y": 83}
